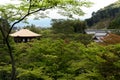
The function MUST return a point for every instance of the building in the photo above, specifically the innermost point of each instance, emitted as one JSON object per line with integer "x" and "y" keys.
{"x": 97, "y": 34}
{"x": 24, "y": 35}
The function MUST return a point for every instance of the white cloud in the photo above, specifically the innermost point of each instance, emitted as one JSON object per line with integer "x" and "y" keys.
{"x": 9, "y": 1}
{"x": 97, "y": 5}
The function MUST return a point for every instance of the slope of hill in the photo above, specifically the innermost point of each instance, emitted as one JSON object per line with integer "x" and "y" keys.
{"x": 106, "y": 17}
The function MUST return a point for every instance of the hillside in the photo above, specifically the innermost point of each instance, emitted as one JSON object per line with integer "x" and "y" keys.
{"x": 107, "y": 17}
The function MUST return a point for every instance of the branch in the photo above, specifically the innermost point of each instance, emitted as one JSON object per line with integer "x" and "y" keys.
{"x": 29, "y": 6}
{"x": 28, "y": 13}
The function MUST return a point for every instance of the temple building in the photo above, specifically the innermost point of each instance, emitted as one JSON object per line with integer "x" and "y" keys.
{"x": 24, "y": 35}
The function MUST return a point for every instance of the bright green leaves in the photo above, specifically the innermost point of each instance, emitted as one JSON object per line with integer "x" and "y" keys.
{"x": 50, "y": 59}
{"x": 35, "y": 74}
{"x": 14, "y": 12}
{"x": 10, "y": 12}
{"x": 19, "y": 12}
{"x": 53, "y": 56}
{"x": 68, "y": 6}
{"x": 73, "y": 7}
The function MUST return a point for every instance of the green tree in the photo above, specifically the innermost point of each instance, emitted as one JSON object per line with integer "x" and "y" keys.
{"x": 115, "y": 23}
{"x": 51, "y": 58}
{"x": 68, "y": 26}
{"x": 33, "y": 28}
{"x": 18, "y": 13}
{"x": 58, "y": 60}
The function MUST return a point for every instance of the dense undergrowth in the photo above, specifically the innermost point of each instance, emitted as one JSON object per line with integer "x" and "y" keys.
{"x": 49, "y": 59}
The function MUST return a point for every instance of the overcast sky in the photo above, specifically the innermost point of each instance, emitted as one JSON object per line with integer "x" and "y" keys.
{"x": 96, "y": 6}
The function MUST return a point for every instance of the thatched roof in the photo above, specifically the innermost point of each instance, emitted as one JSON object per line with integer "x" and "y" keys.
{"x": 25, "y": 33}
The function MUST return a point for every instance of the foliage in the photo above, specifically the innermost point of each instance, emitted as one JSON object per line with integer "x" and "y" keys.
{"x": 4, "y": 28}
{"x": 83, "y": 38}
{"x": 33, "y": 28}
{"x": 115, "y": 23}
{"x": 59, "y": 59}
{"x": 13, "y": 12}
{"x": 105, "y": 16}
{"x": 49, "y": 59}
{"x": 19, "y": 12}
{"x": 68, "y": 26}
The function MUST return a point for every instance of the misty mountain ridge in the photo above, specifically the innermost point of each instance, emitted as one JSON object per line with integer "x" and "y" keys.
{"x": 105, "y": 18}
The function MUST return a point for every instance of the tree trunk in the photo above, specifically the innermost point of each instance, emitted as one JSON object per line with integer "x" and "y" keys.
{"x": 2, "y": 25}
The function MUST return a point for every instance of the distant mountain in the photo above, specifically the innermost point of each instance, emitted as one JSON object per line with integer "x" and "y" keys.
{"x": 105, "y": 17}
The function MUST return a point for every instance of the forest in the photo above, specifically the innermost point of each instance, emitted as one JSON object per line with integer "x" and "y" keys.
{"x": 64, "y": 52}
{"x": 62, "y": 56}
{"x": 105, "y": 18}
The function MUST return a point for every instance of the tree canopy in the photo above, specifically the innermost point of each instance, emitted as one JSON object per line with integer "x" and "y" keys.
{"x": 105, "y": 17}
{"x": 58, "y": 59}
{"x": 68, "y": 26}
{"x": 15, "y": 13}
